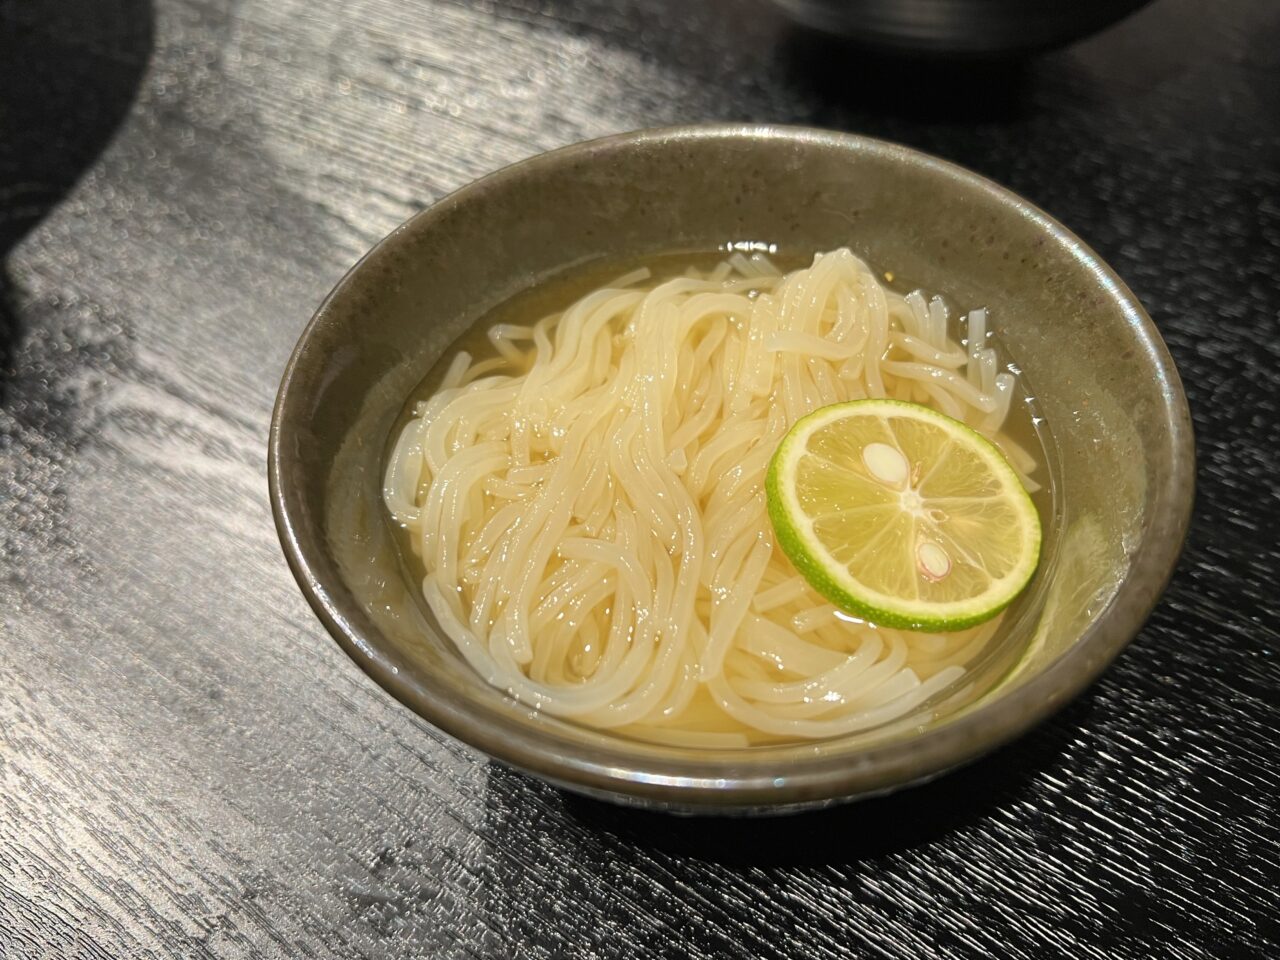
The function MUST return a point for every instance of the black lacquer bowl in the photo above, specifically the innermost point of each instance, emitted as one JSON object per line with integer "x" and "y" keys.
{"x": 960, "y": 28}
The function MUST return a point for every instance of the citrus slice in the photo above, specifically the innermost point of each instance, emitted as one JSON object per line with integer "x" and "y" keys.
{"x": 901, "y": 515}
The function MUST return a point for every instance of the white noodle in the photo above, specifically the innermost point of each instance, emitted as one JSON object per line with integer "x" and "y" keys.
{"x": 589, "y": 508}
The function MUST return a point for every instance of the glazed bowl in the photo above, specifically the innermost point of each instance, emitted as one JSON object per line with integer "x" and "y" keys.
{"x": 1103, "y": 380}
{"x": 959, "y": 28}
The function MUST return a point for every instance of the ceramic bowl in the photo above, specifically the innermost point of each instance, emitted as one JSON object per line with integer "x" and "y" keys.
{"x": 1103, "y": 379}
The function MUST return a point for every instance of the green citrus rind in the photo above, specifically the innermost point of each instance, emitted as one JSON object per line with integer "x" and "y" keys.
{"x": 830, "y": 578}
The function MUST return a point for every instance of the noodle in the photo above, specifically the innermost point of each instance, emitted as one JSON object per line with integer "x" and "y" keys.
{"x": 589, "y": 508}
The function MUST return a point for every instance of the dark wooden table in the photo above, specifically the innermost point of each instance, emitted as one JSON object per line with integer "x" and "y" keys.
{"x": 190, "y": 767}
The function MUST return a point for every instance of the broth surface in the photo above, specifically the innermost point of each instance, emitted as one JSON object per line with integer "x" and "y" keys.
{"x": 987, "y": 653}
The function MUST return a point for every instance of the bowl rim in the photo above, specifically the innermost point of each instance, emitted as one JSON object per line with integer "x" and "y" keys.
{"x": 688, "y": 782}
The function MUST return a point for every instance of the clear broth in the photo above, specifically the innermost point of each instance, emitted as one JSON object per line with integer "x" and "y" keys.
{"x": 1024, "y": 425}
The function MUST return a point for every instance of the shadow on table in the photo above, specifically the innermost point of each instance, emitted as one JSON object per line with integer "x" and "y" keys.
{"x": 739, "y": 61}
{"x": 864, "y": 830}
{"x": 524, "y": 814}
{"x": 69, "y": 72}
{"x": 558, "y": 869}
{"x": 832, "y": 73}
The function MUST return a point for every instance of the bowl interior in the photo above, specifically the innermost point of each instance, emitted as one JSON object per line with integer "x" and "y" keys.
{"x": 1102, "y": 379}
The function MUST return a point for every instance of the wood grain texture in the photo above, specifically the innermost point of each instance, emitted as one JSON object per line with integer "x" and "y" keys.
{"x": 189, "y": 767}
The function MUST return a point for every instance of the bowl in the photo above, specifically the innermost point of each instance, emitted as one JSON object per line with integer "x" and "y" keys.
{"x": 959, "y": 28}
{"x": 1104, "y": 381}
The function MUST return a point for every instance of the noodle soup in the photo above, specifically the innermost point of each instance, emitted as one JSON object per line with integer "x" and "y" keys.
{"x": 579, "y": 488}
